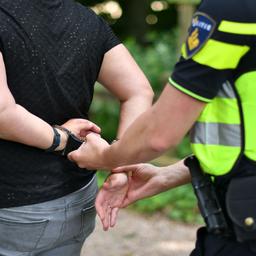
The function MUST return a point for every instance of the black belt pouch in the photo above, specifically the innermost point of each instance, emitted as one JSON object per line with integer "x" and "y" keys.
{"x": 241, "y": 208}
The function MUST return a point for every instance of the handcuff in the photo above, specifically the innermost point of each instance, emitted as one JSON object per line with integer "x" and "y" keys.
{"x": 72, "y": 144}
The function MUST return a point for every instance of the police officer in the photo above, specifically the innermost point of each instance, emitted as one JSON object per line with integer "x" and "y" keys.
{"x": 212, "y": 94}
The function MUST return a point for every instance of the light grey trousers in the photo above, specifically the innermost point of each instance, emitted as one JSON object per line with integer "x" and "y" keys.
{"x": 54, "y": 228}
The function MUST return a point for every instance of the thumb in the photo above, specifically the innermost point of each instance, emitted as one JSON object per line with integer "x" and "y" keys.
{"x": 126, "y": 168}
{"x": 107, "y": 184}
{"x": 72, "y": 156}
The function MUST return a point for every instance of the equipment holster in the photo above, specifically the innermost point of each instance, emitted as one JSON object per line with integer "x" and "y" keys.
{"x": 241, "y": 208}
{"x": 208, "y": 202}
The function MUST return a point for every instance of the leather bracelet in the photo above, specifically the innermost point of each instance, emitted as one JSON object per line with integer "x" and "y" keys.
{"x": 56, "y": 141}
{"x": 63, "y": 129}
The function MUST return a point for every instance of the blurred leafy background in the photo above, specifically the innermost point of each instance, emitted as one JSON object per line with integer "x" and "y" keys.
{"x": 153, "y": 32}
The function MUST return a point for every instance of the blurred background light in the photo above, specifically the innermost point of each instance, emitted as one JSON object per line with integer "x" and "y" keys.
{"x": 151, "y": 19}
{"x": 110, "y": 7}
{"x": 159, "y": 6}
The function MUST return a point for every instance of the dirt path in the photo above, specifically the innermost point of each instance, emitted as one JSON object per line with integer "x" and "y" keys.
{"x": 137, "y": 235}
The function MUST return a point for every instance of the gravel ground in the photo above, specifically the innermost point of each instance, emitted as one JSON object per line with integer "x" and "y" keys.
{"x": 137, "y": 235}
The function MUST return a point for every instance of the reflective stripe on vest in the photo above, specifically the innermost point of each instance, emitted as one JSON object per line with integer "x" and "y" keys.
{"x": 216, "y": 136}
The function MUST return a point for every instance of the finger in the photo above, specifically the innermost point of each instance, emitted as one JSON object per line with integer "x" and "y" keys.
{"x": 100, "y": 207}
{"x": 84, "y": 133}
{"x": 75, "y": 157}
{"x": 102, "y": 211}
{"x": 126, "y": 168}
{"x": 114, "y": 214}
{"x": 106, "y": 220}
{"x": 102, "y": 215}
{"x": 87, "y": 124}
{"x": 72, "y": 156}
{"x": 92, "y": 128}
{"x": 95, "y": 128}
{"x": 107, "y": 185}
{"x": 102, "y": 223}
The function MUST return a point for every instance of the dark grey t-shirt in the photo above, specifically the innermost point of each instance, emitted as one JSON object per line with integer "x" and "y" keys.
{"x": 53, "y": 51}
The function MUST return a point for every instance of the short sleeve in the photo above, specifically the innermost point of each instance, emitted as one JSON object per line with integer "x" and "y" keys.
{"x": 198, "y": 81}
{"x": 208, "y": 56}
{"x": 108, "y": 37}
{"x": 1, "y": 43}
{"x": 100, "y": 39}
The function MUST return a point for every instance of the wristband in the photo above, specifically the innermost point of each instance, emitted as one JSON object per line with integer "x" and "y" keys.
{"x": 56, "y": 141}
{"x": 62, "y": 129}
{"x": 72, "y": 144}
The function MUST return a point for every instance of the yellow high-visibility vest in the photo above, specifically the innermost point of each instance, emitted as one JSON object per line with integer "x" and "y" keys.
{"x": 227, "y": 126}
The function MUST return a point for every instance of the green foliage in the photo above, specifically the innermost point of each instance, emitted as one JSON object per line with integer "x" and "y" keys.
{"x": 105, "y": 112}
{"x": 133, "y": 18}
{"x": 157, "y": 59}
{"x": 178, "y": 204}
{"x": 101, "y": 175}
{"x": 183, "y": 149}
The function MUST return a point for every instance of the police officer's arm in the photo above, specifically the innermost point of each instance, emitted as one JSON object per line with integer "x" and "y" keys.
{"x": 121, "y": 75}
{"x": 19, "y": 125}
{"x": 158, "y": 129}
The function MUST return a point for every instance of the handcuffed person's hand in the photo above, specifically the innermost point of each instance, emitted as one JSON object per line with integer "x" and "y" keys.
{"x": 81, "y": 127}
{"x": 110, "y": 199}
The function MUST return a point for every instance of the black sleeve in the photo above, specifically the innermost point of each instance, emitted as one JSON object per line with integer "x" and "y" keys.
{"x": 205, "y": 63}
{"x": 1, "y": 44}
{"x": 102, "y": 39}
{"x": 108, "y": 37}
{"x": 197, "y": 80}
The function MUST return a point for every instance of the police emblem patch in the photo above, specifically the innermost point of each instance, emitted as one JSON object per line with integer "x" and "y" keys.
{"x": 200, "y": 30}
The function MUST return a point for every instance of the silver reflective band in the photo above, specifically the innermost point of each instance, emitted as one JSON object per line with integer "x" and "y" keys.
{"x": 216, "y": 134}
{"x": 226, "y": 91}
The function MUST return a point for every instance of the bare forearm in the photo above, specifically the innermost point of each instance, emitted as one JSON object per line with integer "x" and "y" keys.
{"x": 17, "y": 124}
{"x": 131, "y": 109}
{"x": 174, "y": 176}
{"x": 135, "y": 146}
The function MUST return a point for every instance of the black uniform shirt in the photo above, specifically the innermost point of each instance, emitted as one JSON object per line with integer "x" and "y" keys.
{"x": 53, "y": 51}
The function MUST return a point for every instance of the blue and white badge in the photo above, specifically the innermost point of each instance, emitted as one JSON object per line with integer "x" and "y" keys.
{"x": 199, "y": 32}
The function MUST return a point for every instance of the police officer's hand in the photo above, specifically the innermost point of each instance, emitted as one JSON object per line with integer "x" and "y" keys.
{"x": 90, "y": 154}
{"x": 144, "y": 180}
{"x": 110, "y": 198}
